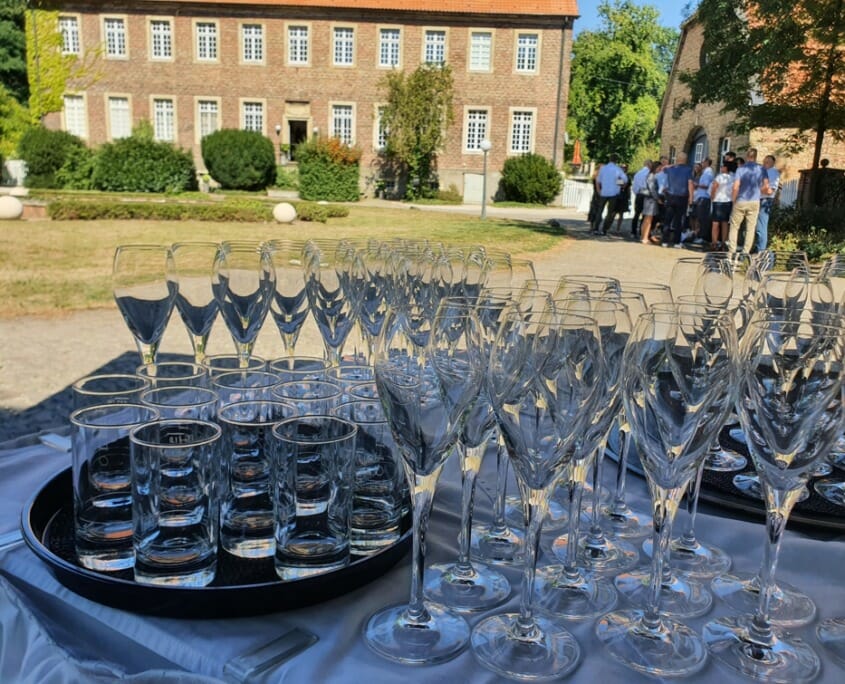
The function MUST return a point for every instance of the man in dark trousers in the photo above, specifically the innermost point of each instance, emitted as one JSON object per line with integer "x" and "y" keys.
{"x": 679, "y": 191}
{"x": 609, "y": 182}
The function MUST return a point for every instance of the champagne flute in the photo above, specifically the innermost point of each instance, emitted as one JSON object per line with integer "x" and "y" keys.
{"x": 194, "y": 263}
{"x": 425, "y": 395}
{"x": 679, "y": 383}
{"x": 289, "y": 306}
{"x": 243, "y": 280}
{"x": 790, "y": 406}
{"x": 145, "y": 286}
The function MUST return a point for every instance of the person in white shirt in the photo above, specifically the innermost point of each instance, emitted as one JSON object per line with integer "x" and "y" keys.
{"x": 766, "y": 203}
{"x": 609, "y": 182}
{"x": 640, "y": 192}
{"x": 720, "y": 198}
{"x": 701, "y": 201}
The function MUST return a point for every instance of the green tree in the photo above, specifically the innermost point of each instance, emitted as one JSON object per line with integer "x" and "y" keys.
{"x": 619, "y": 74}
{"x": 774, "y": 63}
{"x": 13, "y": 49}
{"x": 14, "y": 121}
{"x": 417, "y": 115}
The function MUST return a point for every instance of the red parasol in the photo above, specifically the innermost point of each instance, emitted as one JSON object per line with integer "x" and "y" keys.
{"x": 576, "y": 154}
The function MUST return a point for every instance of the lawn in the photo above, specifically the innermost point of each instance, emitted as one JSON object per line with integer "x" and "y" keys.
{"x": 53, "y": 266}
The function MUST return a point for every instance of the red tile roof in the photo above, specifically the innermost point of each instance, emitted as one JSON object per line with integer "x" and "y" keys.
{"x": 549, "y": 8}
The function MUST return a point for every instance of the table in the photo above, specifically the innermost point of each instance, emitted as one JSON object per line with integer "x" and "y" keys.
{"x": 202, "y": 647}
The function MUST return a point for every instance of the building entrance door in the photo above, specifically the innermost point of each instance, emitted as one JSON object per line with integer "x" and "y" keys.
{"x": 297, "y": 133}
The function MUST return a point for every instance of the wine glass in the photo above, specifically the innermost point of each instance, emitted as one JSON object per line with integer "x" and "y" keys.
{"x": 145, "y": 286}
{"x": 790, "y": 406}
{"x": 375, "y": 262}
{"x": 425, "y": 394}
{"x": 678, "y": 385}
{"x": 289, "y": 305}
{"x": 465, "y": 585}
{"x": 544, "y": 376}
{"x": 193, "y": 263}
{"x": 243, "y": 281}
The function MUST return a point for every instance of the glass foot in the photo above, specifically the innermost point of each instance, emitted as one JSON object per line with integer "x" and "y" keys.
{"x": 788, "y": 607}
{"x": 626, "y": 523}
{"x": 555, "y": 520}
{"x": 822, "y": 469}
{"x": 474, "y": 588}
{"x": 580, "y": 596}
{"x": 831, "y": 634}
{"x": 680, "y": 597}
{"x": 696, "y": 560}
{"x": 831, "y": 490}
{"x": 436, "y": 637}
{"x": 670, "y": 649}
{"x": 749, "y": 484}
{"x": 788, "y": 660}
{"x": 497, "y": 545}
{"x": 725, "y": 460}
{"x": 609, "y": 557}
{"x": 543, "y": 651}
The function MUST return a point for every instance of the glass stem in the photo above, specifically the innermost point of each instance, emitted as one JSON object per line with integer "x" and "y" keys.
{"x": 665, "y": 506}
{"x": 199, "y": 342}
{"x": 148, "y": 352}
{"x": 688, "y": 539}
{"x": 502, "y": 461}
{"x": 537, "y": 506}
{"x": 423, "y": 496}
{"x": 619, "y": 506}
{"x": 470, "y": 465}
{"x": 576, "y": 490}
{"x": 596, "y": 535}
{"x": 244, "y": 350}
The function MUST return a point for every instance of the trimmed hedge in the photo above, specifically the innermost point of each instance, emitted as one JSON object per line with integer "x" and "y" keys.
{"x": 530, "y": 178}
{"x": 239, "y": 160}
{"x": 328, "y": 170}
{"x": 137, "y": 164}
{"x": 45, "y": 152}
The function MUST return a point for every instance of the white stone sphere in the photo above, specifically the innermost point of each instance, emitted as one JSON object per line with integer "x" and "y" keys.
{"x": 10, "y": 207}
{"x": 284, "y": 212}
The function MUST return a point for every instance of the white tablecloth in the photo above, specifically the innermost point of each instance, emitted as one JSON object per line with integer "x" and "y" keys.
{"x": 202, "y": 647}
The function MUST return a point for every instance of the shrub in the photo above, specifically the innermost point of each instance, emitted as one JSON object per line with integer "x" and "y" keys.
{"x": 328, "y": 170}
{"x": 137, "y": 164}
{"x": 89, "y": 210}
{"x": 78, "y": 170}
{"x": 530, "y": 178}
{"x": 240, "y": 160}
{"x": 816, "y": 230}
{"x": 45, "y": 152}
{"x": 450, "y": 196}
{"x": 287, "y": 178}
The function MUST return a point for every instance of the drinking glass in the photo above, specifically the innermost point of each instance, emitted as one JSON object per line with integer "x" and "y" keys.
{"x": 243, "y": 385}
{"x": 182, "y": 402}
{"x": 544, "y": 379}
{"x": 790, "y": 406}
{"x": 108, "y": 388}
{"x": 243, "y": 280}
{"x": 294, "y": 368}
{"x": 216, "y": 364}
{"x": 145, "y": 285}
{"x": 194, "y": 263}
{"x": 831, "y": 635}
{"x": 168, "y": 373}
{"x": 464, "y": 585}
{"x": 375, "y": 260}
{"x": 425, "y": 401}
{"x": 311, "y": 397}
{"x": 289, "y": 305}
{"x": 678, "y": 386}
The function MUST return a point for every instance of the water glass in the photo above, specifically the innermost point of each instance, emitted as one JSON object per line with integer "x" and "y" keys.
{"x": 102, "y": 492}
{"x": 379, "y": 493}
{"x": 185, "y": 402}
{"x": 108, "y": 388}
{"x": 347, "y": 375}
{"x": 246, "y": 476}
{"x": 166, "y": 373}
{"x": 292, "y": 368}
{"x": 243, "y": 385}
{"x": 225, "y": 363}
{"x": 314, "y": 457}
{"x": 174, "y": 464}
{"x": 312, "y": 397}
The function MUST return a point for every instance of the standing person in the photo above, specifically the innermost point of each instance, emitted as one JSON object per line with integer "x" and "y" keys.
{"x": 766, "y": 202}
{"x": 679, "y": 191}
{"x": 651, "y": 202}
{"x": 701, "y": 199}
{"x": 750, "y": 183}
{"x": 623, "y": 200}
{"x": 720, "y": 196}
{"x": 638, "y": 188}
{"x": 609, "y": 182}
{"x": 730, "y": 160}
{"x": 594, "y": 199}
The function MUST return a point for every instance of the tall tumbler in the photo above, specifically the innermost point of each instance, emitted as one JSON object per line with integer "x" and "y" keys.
{"x": 174, "y": 511}
{"x": 108, "y": 388}
{"x": 102, "y": 492}
{"x": 246, "y": 476}
{"x": 314, "y": 459}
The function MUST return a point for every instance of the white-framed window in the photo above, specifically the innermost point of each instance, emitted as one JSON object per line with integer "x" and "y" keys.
{"x": 206, "y": 33}
{"x": 672, "y": 153}
{"x": 343, "y": 46}
{"x": 120, "y": 119}
{"x": 724, "y": 148}
{"x": 252, "y": 42}
{"x": 342, "y": 123}
{"x": 252, "y": 116}
{"x": 480, "y": 50}
{"x": 475, "y": 126}
{"x": 208, "y": 117}
{"x": 379, "y": 130}
{"x": 161, "y": 39}
{"x": 698, "y": 153}
{"x": 164, "y": 119}
{"x": 298, "y": 47}
{"x": 69, "y": 28}
{"x": 527, "y": 45}
{"x": 389, "y": 44}
{"x": 522, "y": 131}
{"x": 114, "y": 29}
{"x": 434, "y": 47}
{"x": 76, "y": 118}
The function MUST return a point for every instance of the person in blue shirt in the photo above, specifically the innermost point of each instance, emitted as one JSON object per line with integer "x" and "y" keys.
{"x": 679, "y": 192}
{"x": 766, "y": 202}
{"x": 750, "y": 184}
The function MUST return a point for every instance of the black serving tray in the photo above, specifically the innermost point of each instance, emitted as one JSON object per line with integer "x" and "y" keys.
{"x": 241, "y": 587}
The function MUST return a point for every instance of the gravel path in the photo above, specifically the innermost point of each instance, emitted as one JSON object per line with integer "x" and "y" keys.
{"x": 41, "y": 357}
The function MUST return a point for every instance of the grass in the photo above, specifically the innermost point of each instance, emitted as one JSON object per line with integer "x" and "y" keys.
{"x": 51, "y": 267}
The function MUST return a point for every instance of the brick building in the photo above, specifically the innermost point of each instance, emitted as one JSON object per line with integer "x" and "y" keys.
{"x": 703, "y": 132}
{"x": 294, "y": 68}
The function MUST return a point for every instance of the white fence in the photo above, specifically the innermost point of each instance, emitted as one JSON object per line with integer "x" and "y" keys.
{"x": 577, "y": 194}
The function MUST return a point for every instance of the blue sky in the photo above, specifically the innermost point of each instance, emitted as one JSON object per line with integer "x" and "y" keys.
{"x": 671, "y": 13}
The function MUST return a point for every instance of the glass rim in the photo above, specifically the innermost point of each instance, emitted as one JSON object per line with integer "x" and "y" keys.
{"x": 351, "y": 429}
{"x": 76, "y": 416}
{"x": 79, "y": 389}
{"x": 322, "y": 383}
{"x": 208, "y": 361}
{"x": 357, "y": 401}
{"x": 817, "y": 329}
{"x": 212, "y": 395}
{"x": 235, "y": 373}
{"x": 143, "y": 369}
{"x": 216, "y": 432}
{"x": 240, "y": 404}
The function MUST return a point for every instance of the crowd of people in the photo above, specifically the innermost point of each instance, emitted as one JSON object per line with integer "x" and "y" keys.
{"x": 677, "y": 203}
